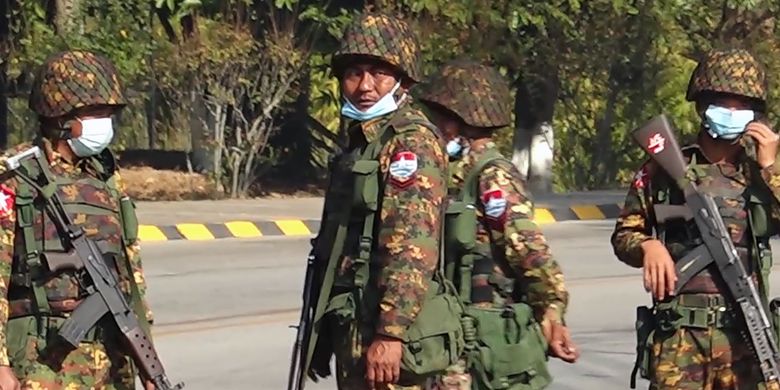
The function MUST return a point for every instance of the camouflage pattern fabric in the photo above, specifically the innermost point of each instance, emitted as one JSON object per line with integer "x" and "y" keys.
{"x": 74, "y": 79}
{"x": 704, "y": 359}
{"x": 381, "y": 37}
{"x": 733, "y": 71}
{"x": 696, "y": 358}
{"x": 64, "y": 286}
{"x": 412, "y": 167}
{"x": 505, "y": 218}
{"x": 476, "y": 93}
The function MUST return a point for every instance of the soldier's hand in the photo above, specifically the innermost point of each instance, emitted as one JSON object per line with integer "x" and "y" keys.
{"x": 767, "y": 142}
{"x": 383, "y": 361}
{"x": 659, "y": 274}
{"x": 8, "y": 379}
{"x": 149, "y": 385}
{"x": 560, "y": 343}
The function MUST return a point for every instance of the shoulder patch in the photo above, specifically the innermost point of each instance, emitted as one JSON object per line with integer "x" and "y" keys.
{"x": 495, "y": 204}
{"x": 7, "y": 201}
{"x": 403, "y": 168}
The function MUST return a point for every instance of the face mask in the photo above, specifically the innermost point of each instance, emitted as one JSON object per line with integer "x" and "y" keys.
{"x": 726, "y": 124}
{"x": 385, "y": 105}
{"x": 96, "y": 134}
{"x": 454, "y": 148}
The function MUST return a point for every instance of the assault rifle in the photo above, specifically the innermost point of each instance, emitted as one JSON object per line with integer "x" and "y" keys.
{"x": 658, "y": 140}
{"x": 300, "y": 351}
{"x": 102, "y": 284}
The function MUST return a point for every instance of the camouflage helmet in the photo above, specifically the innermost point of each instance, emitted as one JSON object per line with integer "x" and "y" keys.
{"x": 382, "y": 38}
{"x": 476, "y": 93}
{"x": 74, "y": 79}
{"x": 733, "y": 71}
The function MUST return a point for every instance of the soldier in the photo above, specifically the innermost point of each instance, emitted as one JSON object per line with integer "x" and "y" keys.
{"x": 75, "y": 94}
{"x": 512, "y": 266}
{"x": 381, "y": 223}
{"x": 696, "y": 342}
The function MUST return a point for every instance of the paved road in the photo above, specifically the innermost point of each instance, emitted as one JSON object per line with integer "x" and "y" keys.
{"x": 222, "y": 309}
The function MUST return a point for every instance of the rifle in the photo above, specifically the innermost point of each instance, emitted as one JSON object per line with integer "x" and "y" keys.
{"x": 300, "y": 350}
{"x": 657, "y": 139}
{"x": 104, "y": 295}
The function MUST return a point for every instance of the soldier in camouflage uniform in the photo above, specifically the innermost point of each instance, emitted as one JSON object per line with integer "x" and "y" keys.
{"x": 387, "y": 190}
{"x": 469, "y": 102}
{"x": 695, "y": 339}
{"x": 74, "y": 94}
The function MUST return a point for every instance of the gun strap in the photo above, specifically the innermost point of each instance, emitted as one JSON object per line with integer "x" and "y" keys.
{"x": 25, "y": 212}
{"x": 468, "y": 195}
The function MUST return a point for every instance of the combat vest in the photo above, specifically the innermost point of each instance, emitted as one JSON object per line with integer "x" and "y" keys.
{"x": 347, "y": 240}
{"x": 505, "y": 347}
{"x": 750, "y": 212}
{"x": 108, "y": 218}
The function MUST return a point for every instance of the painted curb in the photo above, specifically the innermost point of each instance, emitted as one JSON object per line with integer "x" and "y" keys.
{"x": 309, "y": 227}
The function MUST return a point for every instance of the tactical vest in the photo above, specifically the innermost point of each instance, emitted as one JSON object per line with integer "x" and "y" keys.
{"x": 347, "y": 241}
{"x": 505, "y": 347}
{"x": 744, "y": 209}
{"x": 94, "y": 204}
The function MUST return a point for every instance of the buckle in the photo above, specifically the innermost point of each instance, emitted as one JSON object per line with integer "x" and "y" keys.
{"x": 364, "y": 244}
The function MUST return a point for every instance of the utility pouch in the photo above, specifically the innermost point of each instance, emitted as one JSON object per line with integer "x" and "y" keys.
{"x": 366, "y": 185}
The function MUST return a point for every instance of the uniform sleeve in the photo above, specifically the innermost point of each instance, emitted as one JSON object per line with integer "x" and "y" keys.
{"x": 7, "y": 231}
{"x": 133, "y": 252}
{"x": 414, "y": 166}
{"x": 507, "y": 211}
{"x": 771, "y": 176}
{"x": 633, "y": 227}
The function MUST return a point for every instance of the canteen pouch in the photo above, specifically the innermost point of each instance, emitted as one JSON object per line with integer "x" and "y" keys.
{"x": 435, "y": 340}
{"x": 510, "y": 351}
{"x": 129, "y": 219}
{"x": 645, "y": 328}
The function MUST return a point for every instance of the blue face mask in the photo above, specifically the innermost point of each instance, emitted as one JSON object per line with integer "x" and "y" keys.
{"x": 454, "y": 148}
{"x": 385, "y": 105}
{"x": 726, "y": 124}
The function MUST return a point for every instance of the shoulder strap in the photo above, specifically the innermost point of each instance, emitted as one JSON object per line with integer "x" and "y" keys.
{"x": 470, "y": 186}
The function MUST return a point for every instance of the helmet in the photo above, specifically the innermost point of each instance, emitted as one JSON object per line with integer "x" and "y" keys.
{"x": 476, "y": 93}
{"x": 733, "y": 71}
{"x": 73, "y": 79}
{"x": 383, "y": 38}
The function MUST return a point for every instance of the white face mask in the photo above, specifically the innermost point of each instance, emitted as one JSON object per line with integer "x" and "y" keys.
{"x": 96, "y": 134}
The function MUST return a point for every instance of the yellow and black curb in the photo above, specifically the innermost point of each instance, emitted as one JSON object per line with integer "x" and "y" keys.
{"x": 308, "y": 227}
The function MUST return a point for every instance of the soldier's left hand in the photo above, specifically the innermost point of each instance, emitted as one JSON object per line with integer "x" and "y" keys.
{"x": 383, "y": 361}
{"x": 149, "y": 385}
{"x": 560, "y": 343}
{"x": 767, "y": 142}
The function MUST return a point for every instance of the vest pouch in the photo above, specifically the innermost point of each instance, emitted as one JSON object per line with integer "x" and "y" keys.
{"x": 342, "y": 308}
{"x": 366, "y": 185}
{"x": 460, "y": 227}
{"x": 435, "y": 340}
{"x": 761, "y": 223}
{"x": 18, "y": 336}
{"x": 511, "y": 351}
{"x": 129, "y": 219}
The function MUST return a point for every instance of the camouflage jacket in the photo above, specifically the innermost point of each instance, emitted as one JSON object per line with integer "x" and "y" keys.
{"x": 505, "y": 220}
{"x": 412, "y": 167}
{"x": 106, "y": 227}
{"x": 729, "y": 185}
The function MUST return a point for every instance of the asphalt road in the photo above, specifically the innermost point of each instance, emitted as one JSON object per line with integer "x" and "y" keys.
{"x": 223, "y": 308}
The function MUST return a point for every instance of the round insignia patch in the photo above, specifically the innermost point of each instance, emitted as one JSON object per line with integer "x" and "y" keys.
{"x": 403, "y": 168}
{"x": 7, "y": 198}
{"x": 495, "y": 204}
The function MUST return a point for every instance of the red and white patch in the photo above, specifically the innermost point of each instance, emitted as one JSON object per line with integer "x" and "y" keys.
{"x": 640, "y": 178}
{"x": 403, "y": 168}
{"x": 7, "y": 200}
{"x": 495, "y": 204}
{"x": 656, "y": 143}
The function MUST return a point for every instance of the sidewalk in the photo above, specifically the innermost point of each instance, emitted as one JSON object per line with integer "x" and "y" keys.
{"x": 209, "y": 220}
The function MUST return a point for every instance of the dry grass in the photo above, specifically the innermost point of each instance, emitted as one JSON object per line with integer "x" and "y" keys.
{"x": 144, "y": 183}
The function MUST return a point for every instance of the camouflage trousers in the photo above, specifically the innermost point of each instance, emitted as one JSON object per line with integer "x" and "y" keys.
{"x": 708, "y": 359}
{"x": 94, "y": 365}
{"x": 350, "y": 350}
{"x": 457, "y": 377}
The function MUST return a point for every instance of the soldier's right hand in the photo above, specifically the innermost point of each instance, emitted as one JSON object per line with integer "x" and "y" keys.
{"x": 8, "y": 379}
{"x": 659, "y": 273}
